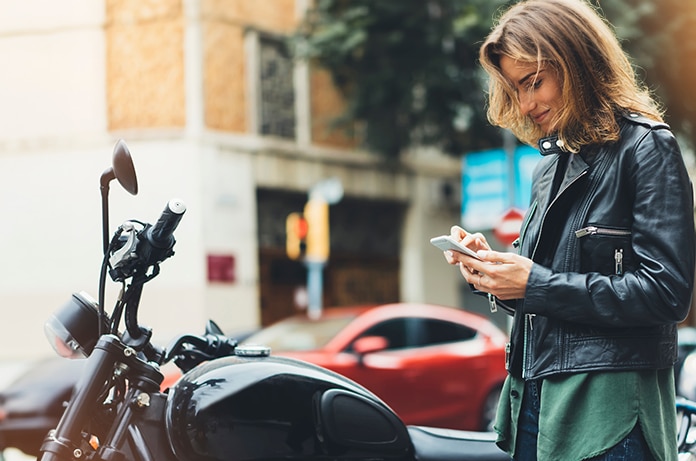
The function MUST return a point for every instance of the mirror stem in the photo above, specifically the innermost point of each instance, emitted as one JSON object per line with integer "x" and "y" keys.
{"x": 106, "y": 177}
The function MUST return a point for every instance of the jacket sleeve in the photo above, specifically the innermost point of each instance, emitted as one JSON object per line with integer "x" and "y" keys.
{"x": 659, "y": 289}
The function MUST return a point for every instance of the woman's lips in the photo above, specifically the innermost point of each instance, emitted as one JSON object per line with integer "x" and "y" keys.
{"x": 539, "y": 118}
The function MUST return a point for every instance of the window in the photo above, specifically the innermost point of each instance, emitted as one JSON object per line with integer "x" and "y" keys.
{"x": 420, "y": 332}
{"x": 435, "y": 331}
{"x": 276, "y": 89}
{"x": 395, "y": 330}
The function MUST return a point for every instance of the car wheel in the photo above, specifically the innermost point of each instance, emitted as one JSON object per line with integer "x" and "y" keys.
{"x": 490, "y": 407}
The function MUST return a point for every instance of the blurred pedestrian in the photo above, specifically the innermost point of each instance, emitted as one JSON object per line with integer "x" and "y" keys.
{"x": 606, "y": 251}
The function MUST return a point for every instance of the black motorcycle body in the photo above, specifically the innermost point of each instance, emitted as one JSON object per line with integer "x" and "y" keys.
{"x": 232, "y": 403}
{"x": 299, "y": 411}
{"x": 255, "y": 407}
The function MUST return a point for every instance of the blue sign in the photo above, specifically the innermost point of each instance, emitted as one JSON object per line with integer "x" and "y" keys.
{"x": 484, "y": 188}
{"x": 526, "y": 159}
{"x": 487, "y": 188}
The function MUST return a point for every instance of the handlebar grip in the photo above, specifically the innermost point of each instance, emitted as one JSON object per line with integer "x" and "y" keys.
{"x": 160, "y": 235}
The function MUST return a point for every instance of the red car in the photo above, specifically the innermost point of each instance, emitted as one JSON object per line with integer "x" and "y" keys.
{"x": 433, "y": 365}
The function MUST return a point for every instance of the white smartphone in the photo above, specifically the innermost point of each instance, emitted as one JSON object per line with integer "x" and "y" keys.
{"x": 446, "y": 242}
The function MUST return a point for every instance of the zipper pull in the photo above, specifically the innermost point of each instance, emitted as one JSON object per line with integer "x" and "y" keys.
{"x": 491, "y": 303}
{"x": 618, "y": 261}
{"x": 589, "y": 230}
{"x": 507, "y": 356}
{"x": 531, "y": 317}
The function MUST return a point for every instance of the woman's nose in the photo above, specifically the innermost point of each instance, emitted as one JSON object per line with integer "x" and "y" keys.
{"x": 527, "y": 103}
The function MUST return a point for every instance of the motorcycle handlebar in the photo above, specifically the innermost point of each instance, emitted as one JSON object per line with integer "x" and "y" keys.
{"x": 187, "y": 351}
{"x": 160, "y": 235}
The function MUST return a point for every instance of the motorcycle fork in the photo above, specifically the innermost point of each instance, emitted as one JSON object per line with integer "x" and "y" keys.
{"x": 137, "y": 433}
{"x": 142, "y": 403}
{"x": 65, "y": 442}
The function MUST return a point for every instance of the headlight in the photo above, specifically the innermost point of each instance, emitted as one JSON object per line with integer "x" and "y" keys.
{"x": 73, "y": 331}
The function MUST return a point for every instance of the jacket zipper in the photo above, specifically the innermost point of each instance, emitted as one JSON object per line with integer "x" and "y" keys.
{"x": 555, "y": 199}
{"x": 528, "y": 317}
{"x": 594, "y": 230}
{"x": 508, "y": 348}
{"x": 618, "y": 252}
{"x": 523, "y": 229}
{"x": 528, "y": 324}
{"x": 618, "y": 261}
{"x": 491, "y": 303}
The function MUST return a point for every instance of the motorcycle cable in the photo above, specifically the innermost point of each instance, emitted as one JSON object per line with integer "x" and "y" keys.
{"x": 117, "y": 271}
{"x": 117, "y": 311}
{"x": 105, "y": 266}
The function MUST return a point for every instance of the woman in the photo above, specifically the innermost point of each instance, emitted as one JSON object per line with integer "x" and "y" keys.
{"x": 606, "y": 252}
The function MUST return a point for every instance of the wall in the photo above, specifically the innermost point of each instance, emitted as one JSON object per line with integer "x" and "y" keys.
{"x": 169, "y": 77}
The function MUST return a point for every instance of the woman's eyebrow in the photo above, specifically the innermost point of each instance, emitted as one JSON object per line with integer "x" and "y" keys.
{"x": 527, "y": 77}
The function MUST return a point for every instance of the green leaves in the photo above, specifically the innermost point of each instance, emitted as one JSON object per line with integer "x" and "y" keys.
{"x": 409, "y": 70}
{"x": 660, "y": 36}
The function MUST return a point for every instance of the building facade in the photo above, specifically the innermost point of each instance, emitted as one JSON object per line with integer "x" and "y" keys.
{"x": 216, "y": 113}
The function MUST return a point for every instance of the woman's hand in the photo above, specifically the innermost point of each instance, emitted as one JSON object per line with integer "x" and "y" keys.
{"x": 501, "y": 274}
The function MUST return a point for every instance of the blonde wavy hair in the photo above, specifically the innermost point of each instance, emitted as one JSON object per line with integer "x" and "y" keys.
{"x": 597, "y": 80}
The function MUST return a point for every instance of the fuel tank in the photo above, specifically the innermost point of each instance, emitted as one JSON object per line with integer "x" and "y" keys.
{"x": 273, "y": 408}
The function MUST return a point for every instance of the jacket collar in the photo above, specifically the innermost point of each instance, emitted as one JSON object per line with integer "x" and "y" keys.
{"x": 550, "y": 145}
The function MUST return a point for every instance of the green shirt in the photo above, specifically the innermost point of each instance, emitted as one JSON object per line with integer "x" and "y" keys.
{"x": 583, "y": 415}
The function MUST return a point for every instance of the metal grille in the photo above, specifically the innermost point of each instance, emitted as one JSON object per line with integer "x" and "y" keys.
{"x": 277, "y": 90}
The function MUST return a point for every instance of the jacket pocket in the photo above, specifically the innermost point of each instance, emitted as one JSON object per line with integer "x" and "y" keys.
{"x": 605, "y": 249}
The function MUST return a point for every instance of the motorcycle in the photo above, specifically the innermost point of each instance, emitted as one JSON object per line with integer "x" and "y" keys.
{"x": 233, "y": 402}
{"x": 686, "y": 438}
{"x": 685, "y": 368}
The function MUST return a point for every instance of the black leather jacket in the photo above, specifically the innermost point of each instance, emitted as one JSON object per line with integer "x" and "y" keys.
{"x": 613, "y": 253}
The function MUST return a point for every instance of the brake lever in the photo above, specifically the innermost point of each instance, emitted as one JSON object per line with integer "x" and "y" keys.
{"x": 127, "y": 251}
{"x": 189, "y": 351}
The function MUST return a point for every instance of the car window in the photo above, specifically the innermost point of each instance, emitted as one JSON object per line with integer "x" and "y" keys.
{"x": 397, "y": 332}
{"x": 419, "y": 332}
{"x": 435, "y": 331}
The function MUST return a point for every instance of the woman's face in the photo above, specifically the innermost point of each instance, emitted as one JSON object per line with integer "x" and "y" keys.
{"x": 538, "y": 91}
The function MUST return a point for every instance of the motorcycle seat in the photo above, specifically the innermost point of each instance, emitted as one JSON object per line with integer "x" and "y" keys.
{"x": 437, "y": 444}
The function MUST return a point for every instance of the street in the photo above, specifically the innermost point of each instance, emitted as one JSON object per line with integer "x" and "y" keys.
{"x": 9, "y": 370}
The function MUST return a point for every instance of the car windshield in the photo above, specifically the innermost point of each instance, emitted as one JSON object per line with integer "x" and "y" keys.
{"x": 298, "y": 334}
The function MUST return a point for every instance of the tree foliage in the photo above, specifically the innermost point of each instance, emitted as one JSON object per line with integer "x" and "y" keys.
{"x": 408, "y": 69}
{"x": 410, "y": 75}
{"x": 660, "y": 35}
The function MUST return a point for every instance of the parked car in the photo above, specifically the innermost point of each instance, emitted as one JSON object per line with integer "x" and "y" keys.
{"x": 33, "y": 403}
{"x": 434, "y": 365}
